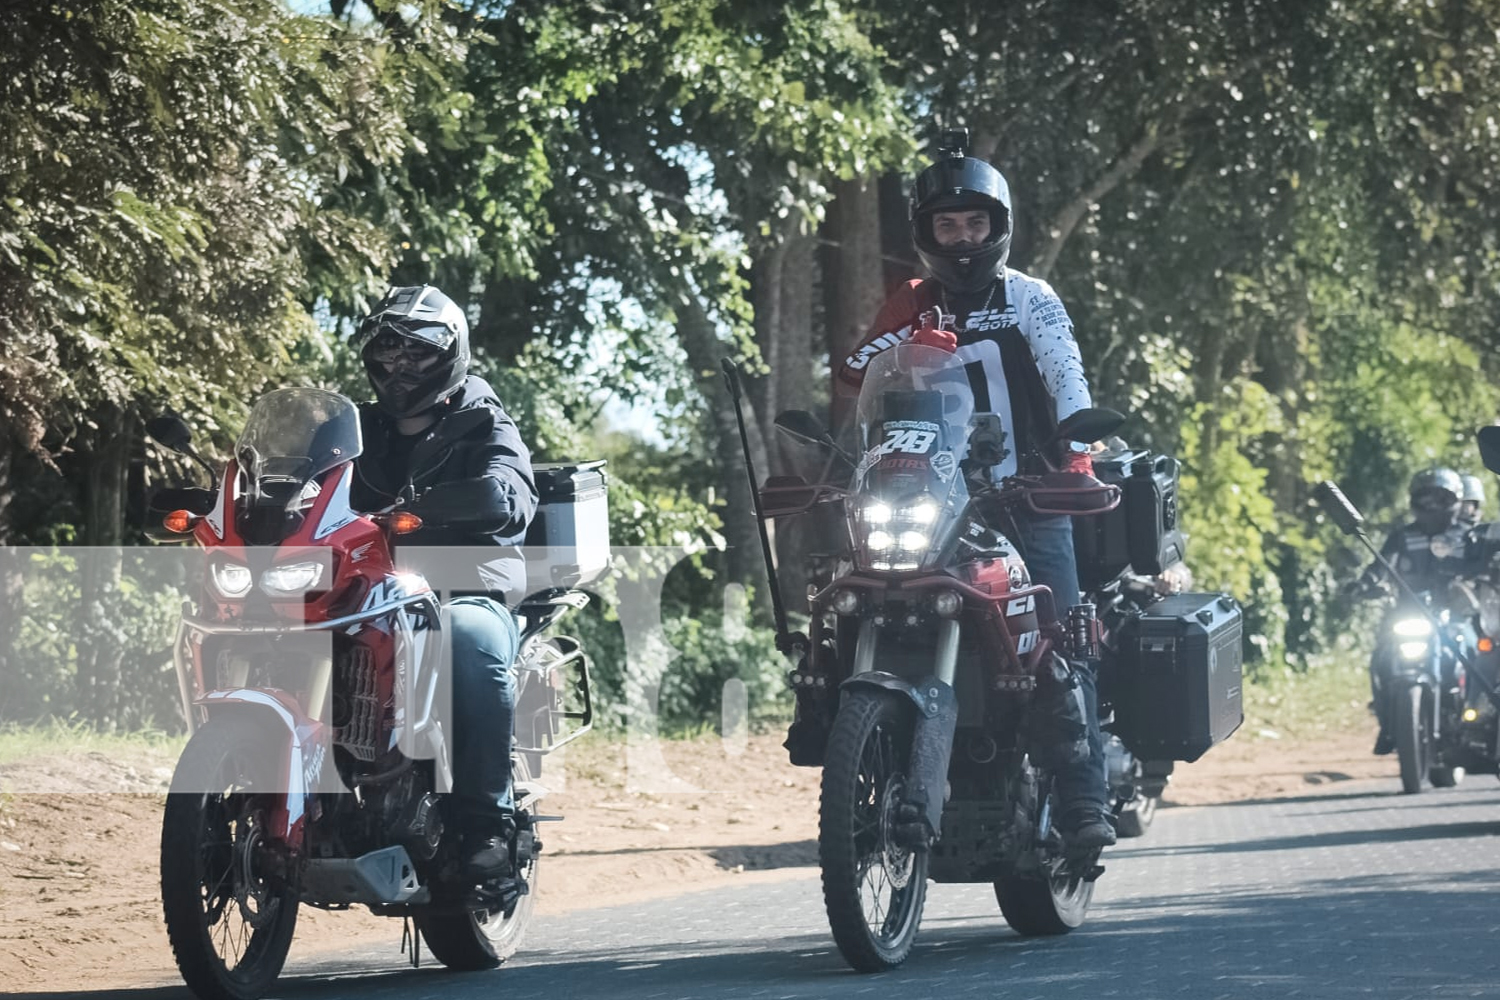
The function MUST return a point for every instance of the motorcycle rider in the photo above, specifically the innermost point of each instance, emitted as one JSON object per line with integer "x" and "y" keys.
{"x": 1427, "y": 552}
{"x": 1017, "y": 338}
{"x": 1471, "y": 504}
{"x": 438, "y": 437}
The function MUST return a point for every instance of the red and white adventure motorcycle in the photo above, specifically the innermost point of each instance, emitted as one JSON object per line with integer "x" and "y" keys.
{"x": 312, "y": 673}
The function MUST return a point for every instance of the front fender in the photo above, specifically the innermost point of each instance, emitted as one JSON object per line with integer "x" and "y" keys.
{"x": 932, "y": 737}
{"x": 299, "y": 741}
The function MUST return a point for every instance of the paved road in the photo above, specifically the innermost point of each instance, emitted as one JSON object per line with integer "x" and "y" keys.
{"x": 1356, "y": 891}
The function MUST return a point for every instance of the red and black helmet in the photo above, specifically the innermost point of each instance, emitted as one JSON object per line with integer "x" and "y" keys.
{"x": 956, "y": 183}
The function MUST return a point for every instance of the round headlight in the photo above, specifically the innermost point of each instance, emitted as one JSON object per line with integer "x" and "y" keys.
{"x": 844, "y": 602}
{"x": 877, "y": 513}
{"x": 880, "y": 540}
{"x": 948, "y": 603}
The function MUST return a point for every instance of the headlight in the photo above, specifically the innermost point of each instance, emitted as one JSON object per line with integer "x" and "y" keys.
{"x": 845, "y": 602}
{"x": 877, "y": 513}
{"x": 914, "y": 541}
{"x": 879, "y": 541}
{"x": 231, "y": 579}
{"x": 921, "y": 513}
{"x": 1412, "y": 627}
{"x": 293, "y": 578}
{"x": 1413, "y": 650}
{"x": 948, "y": 603}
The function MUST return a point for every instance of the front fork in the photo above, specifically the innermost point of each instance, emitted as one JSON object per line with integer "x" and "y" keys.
{"x": 932, "y": 734}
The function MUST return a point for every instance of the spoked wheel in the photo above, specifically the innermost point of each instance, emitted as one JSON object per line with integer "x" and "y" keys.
{"x": 1413, "y": 739}
{"x": 1135, "y": 819}
{"x": 484, "y": 938}
{"x": 873, "y": 887}
{"x": 229, "y": 905}
{"x": 1053, "y": 901}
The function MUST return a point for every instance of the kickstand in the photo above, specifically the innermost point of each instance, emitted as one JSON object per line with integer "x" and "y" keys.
{"x": 410, "y": 937}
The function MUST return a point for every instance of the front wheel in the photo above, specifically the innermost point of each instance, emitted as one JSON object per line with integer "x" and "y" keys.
{"x": 229, "y": 905}
{"x": 1413, "y": 738}
{"x": 873, "y": 887}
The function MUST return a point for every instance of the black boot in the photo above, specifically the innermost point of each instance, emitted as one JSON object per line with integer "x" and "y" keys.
{"x": 484, "y": 851}
{"x": 1087, "y": 828}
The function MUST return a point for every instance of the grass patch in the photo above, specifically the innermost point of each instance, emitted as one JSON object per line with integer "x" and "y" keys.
{"x": 19, "y": 742}
{"x": 1330, "y": 698}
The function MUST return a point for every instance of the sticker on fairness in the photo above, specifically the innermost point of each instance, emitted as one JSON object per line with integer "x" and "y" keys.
{"x": 943, "y": 464}
{"x": 908, "y": 437}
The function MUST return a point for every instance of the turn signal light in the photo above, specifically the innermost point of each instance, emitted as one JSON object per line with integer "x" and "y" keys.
{"x": 1486, "y": 644}
{"x": 180, "y": 521}
{"x": 404, "y": 522}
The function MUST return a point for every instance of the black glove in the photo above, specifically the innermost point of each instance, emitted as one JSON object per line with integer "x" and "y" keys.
{"x": 480, "y": 505}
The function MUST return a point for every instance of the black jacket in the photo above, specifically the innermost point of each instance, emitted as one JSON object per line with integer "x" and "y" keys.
{"x": 1409, "y": 549}
{"x": 472, "y": 478}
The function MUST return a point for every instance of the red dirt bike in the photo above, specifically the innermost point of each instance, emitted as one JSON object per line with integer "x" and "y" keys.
{"x": 313, "y": 678}
{"x": 930, "y": 645}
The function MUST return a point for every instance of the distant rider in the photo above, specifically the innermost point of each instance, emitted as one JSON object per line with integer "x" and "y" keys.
{"x": 1426, "y": 552}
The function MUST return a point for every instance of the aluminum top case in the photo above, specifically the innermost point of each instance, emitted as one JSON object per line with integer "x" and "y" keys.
{"x": 1175, "y": 676}
{"x": 567, "y": 543}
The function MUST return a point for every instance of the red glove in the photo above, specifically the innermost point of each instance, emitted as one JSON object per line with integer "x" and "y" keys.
{"x": 943, "y": 340}
{"x": 1078, "y": 461}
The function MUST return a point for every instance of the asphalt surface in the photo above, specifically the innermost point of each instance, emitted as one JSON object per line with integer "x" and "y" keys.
{"x": 1353, "y": 890}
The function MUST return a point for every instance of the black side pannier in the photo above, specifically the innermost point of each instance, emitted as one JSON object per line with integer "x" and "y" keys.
{"x": 1142, "y": 533}
{"x": 1175, "y": 677}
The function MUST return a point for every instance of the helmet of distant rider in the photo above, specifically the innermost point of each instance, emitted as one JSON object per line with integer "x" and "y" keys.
{"x": 1472, "y": 500}
{"x": 960, "y": 183}
{"x": 415, "y": 347}
{"x": 1435, "y": 496}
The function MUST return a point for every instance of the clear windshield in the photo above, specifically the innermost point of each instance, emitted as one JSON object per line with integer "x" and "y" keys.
{"x": 913, "y": 422}
{"x": 295, "y": 434}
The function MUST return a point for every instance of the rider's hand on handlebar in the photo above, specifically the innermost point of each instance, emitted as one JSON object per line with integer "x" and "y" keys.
{"x": 943, "y": 340}
{"x": 1078, "y": 461}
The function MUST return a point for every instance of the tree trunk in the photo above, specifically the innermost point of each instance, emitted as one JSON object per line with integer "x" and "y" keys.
{"x": 853, "y": 272}
{"x": 100, "y": 649}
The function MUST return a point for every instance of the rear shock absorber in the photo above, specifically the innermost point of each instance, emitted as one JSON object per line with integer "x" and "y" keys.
{"x": 1083, "y": 632}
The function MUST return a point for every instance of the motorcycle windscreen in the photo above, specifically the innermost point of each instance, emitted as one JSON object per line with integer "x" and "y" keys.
{"x": 913, "y": 424}
{"x": 294, "y": 435}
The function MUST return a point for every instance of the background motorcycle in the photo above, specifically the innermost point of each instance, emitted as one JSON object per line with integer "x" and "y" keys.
{"x": 312, "y": 675}
{"x": 931, "y": 636}
{"x": 1422, "y": 662}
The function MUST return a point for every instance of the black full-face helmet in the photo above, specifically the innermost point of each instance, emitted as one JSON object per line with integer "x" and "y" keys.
{"x": 958, "y": 183}
{"x": 415, "y": 346}
{"x": 1434, "y": 496}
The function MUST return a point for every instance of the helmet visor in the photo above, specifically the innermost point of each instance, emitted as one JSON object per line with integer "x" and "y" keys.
{"x": 437, "y": 336}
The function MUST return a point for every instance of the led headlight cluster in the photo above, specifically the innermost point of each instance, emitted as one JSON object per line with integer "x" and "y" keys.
{"x": 897, "y": 538}
{"x": 234, "y": 580}
{"x": 1413, "y": 633}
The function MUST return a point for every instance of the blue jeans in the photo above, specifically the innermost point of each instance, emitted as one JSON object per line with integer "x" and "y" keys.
{"x": 484, "y": 644}
{"x": 1047, "y": 545}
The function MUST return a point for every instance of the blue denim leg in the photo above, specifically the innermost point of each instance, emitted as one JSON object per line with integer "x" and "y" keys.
{"x": 484, "y": 643}
{"x": 1047, "y": 543}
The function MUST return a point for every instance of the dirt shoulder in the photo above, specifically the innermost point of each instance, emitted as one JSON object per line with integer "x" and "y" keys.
{"x": 79, "y": 839}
